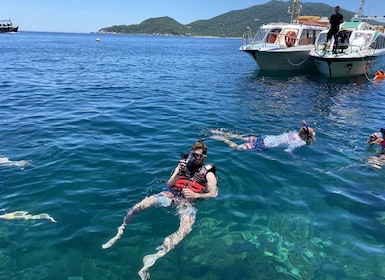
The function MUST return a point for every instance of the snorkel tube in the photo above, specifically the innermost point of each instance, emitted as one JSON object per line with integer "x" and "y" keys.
{"x": 306, "y": 127}
{"x": 382, "y": 130}
{"x": 310, "y": 135}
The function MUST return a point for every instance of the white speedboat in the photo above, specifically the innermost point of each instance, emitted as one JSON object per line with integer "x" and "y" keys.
{"x": 285, "y": 46}
{"x": 363, "y": 54}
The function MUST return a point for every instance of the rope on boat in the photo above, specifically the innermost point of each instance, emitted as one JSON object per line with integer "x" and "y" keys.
{"x": 366, "y": 72}
{"x": 296, "y": 64}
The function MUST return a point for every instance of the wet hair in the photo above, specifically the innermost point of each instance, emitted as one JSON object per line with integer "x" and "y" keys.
{"x": 305, "y": 131}
{"x": 372, "y": 138}
{"x": 199, "y": 145}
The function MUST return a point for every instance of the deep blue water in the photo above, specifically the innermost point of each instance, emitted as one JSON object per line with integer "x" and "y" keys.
{"x": 104, "y": 123}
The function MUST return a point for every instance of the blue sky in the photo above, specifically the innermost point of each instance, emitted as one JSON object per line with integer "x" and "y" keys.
{"x": 86, "y": 16}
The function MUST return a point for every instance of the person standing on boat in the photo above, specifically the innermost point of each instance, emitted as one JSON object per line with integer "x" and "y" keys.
{"x": 377, "y": 161}
{"x": 335, "y": 20}
{"x": 291, "y": 140}
{"x": 191, "y": 181}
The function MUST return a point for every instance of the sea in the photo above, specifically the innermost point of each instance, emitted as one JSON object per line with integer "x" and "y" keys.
{"x": 101, "y": 122}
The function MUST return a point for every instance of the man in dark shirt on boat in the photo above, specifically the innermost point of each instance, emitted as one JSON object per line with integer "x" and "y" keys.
{"x": 335, "y": 20}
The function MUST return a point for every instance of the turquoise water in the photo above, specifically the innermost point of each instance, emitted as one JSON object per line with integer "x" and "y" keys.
{"x": 104, "y": 123}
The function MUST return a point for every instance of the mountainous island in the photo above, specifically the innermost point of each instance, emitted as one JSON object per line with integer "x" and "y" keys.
{"x": 230, "y": 24}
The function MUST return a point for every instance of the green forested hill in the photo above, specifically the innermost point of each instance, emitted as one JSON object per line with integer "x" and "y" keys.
{"x": 231, "y": 24}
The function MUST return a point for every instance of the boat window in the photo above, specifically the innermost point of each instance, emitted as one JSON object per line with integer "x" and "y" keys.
{"x": 273, "y": 35}
{"x": 378, "y": 43}
{"x": 321, "y": 38}
{"x": 361, "y": 38}
{"x": 316, "y": 33}
{"x": 305, "y": 37}
{"x": 309, "y": 36}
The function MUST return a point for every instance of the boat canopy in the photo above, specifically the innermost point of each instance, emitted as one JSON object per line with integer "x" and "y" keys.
{"x": 356, "y": 25}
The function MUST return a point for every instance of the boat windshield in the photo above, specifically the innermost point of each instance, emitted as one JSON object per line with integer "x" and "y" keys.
{"x": 321, "y": 38}
{"x": 267, "y": 35}
{"x": 361, "y": 39}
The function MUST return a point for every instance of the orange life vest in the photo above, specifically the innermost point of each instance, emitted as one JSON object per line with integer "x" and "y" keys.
{"x": 186, "y": 183}
{"x": 380, "y": 75}
{"x": 197, "y": 183}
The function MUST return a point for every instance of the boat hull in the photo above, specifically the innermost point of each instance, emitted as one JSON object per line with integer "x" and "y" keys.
{"x": 340, "y": 66}
{"x": 282, "y": 59}
{"x": 9, "y": 29}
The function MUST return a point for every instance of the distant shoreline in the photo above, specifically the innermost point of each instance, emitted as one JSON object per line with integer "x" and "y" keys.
{"x": 164, "y": 35}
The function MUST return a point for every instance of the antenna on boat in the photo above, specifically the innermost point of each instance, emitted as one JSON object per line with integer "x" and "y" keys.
{"x": 296, "y": 10}
{"x": 360, "y": 13}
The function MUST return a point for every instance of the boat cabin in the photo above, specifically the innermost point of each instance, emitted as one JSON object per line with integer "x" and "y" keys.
{"x": 360, "y": 36}
{"x": 286, "y": 35}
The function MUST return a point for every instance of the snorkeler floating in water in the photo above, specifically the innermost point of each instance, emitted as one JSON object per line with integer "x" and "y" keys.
{"x": 191, "y": 180}
{"x": 291, "y": 140}
{"x": 377, "y": 138}
{"x": 6, "y": 162}
{"x": 23, "y": 215}
{"x": 379, "y": 75}
{"x": 377, "y": 161}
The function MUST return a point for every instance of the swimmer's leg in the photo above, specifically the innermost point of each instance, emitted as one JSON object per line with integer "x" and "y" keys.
{"x": 6, "y": 162}
{"x": 226, "y": 134}
{"x": 147, "y": 202}
{"x": 169, "y": 243}
{"x": 225, "y": 140}
{"x": 242, "y": 147}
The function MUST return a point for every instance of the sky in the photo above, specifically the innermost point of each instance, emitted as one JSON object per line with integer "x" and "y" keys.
{"x": 84, "y": 16}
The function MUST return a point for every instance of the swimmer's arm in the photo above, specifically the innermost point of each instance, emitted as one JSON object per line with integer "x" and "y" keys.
{"x": 174, "y": 177}
{"x": 212, "y": 190}
{"x": 295, "y": 144}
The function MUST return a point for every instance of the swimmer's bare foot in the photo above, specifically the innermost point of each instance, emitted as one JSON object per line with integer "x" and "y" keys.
{"x": 143, "y": 274}
{"x": 111, "y": 242}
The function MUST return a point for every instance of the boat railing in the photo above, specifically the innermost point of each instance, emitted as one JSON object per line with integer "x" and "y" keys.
{"x": 341, "y": 48}
{"x": 247, "y": 37}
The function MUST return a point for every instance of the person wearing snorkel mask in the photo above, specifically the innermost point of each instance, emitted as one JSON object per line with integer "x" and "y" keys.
{"x": 377, "y": 138}
{"x": 191, "y": 180}
{"x": 292, "y": 140}
{"x": 377, "y": 161}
